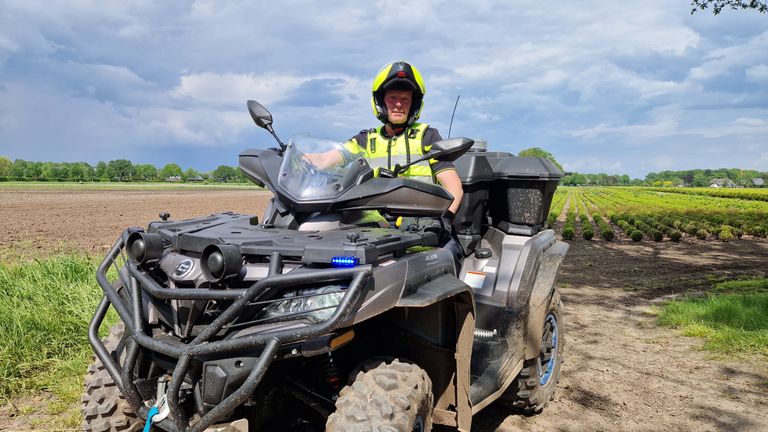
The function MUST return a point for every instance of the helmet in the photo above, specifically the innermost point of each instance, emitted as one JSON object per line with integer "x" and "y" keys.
{"x": 397, "y": 75}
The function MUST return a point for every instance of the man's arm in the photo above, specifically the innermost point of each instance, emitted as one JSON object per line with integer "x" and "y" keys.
{"x": 450, "y": 181}
{"x": 328, "y": 159}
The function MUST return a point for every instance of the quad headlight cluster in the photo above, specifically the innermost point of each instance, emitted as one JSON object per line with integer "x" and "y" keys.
{"x": 314, "y": 304}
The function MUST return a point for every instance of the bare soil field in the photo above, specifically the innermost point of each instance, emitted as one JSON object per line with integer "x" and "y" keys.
{"x": 621, "y": 373}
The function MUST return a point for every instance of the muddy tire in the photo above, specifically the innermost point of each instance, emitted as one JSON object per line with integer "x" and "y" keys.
{"x": 390, "y": 397}
{"x": 103, "y": 406}
{"x": 535, "y": 386}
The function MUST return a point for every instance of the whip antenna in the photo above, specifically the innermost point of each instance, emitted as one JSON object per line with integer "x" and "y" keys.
{"x": 452, "y": 114}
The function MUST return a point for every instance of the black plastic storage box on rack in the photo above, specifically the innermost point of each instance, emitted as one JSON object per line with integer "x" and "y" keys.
{"x": 521, "y": 193}
{"x": 476, "y": 176}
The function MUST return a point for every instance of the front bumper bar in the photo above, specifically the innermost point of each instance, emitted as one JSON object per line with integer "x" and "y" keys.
{"x": 130, "y": 311}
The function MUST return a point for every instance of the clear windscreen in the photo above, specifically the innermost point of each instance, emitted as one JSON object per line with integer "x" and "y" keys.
{"x": 316, "y": 168}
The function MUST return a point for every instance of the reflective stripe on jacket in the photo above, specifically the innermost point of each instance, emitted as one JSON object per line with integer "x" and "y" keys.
{"x": 386, "y": 152}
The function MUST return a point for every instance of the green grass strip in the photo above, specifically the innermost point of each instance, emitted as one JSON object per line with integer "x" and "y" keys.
{"x": 45, "y": 307}
{"x": 732, "y": 319}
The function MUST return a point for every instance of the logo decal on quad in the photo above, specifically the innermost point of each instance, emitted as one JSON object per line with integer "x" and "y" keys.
{"x": 184, "y": 268}
{"x": 431, "y": 259}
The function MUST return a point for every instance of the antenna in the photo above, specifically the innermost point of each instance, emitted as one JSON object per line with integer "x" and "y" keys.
{"x": 452, "y": 114}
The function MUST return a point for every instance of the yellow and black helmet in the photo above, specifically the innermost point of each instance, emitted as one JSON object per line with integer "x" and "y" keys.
{"x": 399, "y": 75}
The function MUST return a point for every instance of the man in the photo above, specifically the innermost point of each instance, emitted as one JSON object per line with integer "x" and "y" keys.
{"x": 397, "y": 99}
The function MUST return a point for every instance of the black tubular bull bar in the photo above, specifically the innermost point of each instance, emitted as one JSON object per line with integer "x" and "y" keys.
{"x": 132, "y": 316}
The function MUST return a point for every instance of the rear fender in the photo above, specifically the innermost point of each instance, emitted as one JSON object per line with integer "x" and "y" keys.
{"x": 541, "y": 294}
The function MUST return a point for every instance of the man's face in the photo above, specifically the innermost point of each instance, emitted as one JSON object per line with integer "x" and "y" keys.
{"x": 398, "y": 104}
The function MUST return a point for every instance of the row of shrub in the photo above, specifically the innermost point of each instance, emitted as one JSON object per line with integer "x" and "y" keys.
{"x": 570, "y": 225}
{"x": 606, "y": 232}
{"x": 629, "y": 229}
{"x": 587, "y": 231}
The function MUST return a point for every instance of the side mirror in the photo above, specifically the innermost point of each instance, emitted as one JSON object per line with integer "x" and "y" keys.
{"x": 260, "y": 115}
{"x": 450, "y": 149}
{"x": 263, "y": 119}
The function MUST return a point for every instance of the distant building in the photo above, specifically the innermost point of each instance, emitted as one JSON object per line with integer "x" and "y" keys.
{"x": 721, "y": 183}
{"x": 758, "y": 182}
{"x": 196, "y": 178}
{"x": 173, "y": 179}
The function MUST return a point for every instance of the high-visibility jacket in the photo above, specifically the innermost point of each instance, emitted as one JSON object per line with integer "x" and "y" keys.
{"x": 386, "y": 152}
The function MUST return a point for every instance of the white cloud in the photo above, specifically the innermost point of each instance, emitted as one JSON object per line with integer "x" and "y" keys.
{"x": 594, "y": 165}
{"x": 741, "y": 55}
{"x": 229, "y": 88}
{"x": 659, "y": 128}
{"x": 758, "y": 73}
{"x": 581, "y": 75}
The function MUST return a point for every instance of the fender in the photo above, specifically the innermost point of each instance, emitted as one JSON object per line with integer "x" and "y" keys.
{"x": 452, "y": 407}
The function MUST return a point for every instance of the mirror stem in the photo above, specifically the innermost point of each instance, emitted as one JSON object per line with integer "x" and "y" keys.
{"x": 272, "y": 131}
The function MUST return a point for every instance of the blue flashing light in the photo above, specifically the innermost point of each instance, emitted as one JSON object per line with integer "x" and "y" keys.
{"x": 345, "y": 261}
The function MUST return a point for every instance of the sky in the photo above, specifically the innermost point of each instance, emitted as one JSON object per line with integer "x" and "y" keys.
{"x": 605, "y": 86}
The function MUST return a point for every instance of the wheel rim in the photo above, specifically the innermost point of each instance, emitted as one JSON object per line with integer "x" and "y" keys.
{"x": 548, "y": 355}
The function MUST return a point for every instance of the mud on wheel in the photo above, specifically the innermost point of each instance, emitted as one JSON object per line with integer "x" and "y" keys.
{"x": 390, "y": 397}
{"x": 103, "y": 406}
{"x": 535, "y": 386}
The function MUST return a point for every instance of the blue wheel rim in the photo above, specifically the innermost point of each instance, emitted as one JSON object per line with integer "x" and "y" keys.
{"x": 548, "y": 354}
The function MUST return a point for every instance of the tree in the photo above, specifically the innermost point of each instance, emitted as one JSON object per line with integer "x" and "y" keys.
{"x": 170, "y": 170}
{"x": 120, "y": 169}
{"x": 190, "y": 174}
{"x": 535, "y": 151}
{"x": 101, "y": 171}
{"x": 224, "y": 173}
{"x": 718, "y": 5}
{"x": 5, "y": 166}
{"x": 146, "y": 172}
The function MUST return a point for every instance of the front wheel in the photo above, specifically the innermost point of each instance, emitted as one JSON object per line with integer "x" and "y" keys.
{"x": 390, "y": 397}
{"x": 103, "y": 406}
{"x": 535, "y": 386}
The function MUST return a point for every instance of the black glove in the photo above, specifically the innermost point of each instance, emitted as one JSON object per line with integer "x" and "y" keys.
{"x": 447, "y": 220}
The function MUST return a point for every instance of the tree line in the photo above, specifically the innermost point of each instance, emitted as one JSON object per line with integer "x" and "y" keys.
{"x": 121, "y": 170}
{"x": 685, "y": 178}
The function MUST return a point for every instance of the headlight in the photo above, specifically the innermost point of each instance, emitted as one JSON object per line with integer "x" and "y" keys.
{"x": 220, "y": 262}
{"x": 314, "y": 304}
{"x": 144, "y": 247}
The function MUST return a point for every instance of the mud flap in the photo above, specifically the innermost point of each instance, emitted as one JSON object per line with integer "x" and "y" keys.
{"x": 453, "y": 407}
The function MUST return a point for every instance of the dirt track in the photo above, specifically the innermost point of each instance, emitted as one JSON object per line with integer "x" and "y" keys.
{"x": 621, "y": 371}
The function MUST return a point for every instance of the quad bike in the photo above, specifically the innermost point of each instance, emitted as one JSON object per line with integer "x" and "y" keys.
{"x": 325, "y": 316}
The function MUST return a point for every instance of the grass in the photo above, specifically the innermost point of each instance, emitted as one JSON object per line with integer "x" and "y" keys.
{"x": 45, "y": 307}
{"x": 102, "y": 186}
{"x": 733, "y": 318}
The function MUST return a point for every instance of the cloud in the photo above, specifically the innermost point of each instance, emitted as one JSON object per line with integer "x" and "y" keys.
{"x": 580, "y": 80}
{"x": 594, "y": 165}
{"x": 723, "y": 60}
{"x": 229, "y": 88}
{"x": 758, "y": 73}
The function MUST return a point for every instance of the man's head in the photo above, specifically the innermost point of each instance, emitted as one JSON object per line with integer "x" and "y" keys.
{"x": 396, "y": 85}
{"x": 398, "y": 103}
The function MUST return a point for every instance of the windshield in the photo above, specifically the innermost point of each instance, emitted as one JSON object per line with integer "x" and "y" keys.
{"x": 315, "y": 168}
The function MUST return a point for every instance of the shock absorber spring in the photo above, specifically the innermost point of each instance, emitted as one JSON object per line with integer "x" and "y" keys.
{"x": 330, "y": 373}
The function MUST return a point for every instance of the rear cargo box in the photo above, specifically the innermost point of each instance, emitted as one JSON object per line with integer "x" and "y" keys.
{"x": 521, "y": 193}
{"x": 476, "y": 176}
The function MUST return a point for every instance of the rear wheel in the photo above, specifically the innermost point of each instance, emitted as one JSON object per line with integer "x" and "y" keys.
{"x": 390, "y": 397}
{"x": 103, "y": 406}
{"x": 535, "y": 386}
